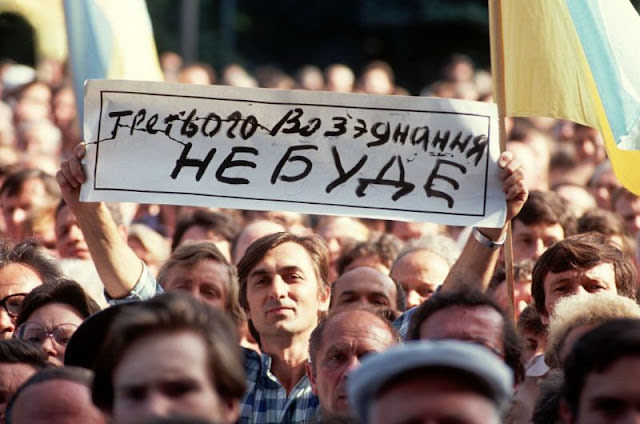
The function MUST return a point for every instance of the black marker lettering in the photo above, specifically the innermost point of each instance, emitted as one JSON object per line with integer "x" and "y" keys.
{"x": 184, "y": 161}
{"x": 188, "y": 127}
{"x": 400, "y": 134}
{"x": 339, "y": 125}
{"x": 288, "y": 158}
{"x": 118, "y": 115}
{"x": 229, "y": 162}
{"x": 420, "y": 135}
{"x": 441, "y": 139}
{"x": 403, "y": 186}
{"x": 428, "y": 187}
{"x": 382, "y": 137}
{"x": 360, "y": 128}
{"x": 478, "y": 149}
{"x": 343, "y": 176}
{"x": 138, "y": 119}
{"x": 235, "y": 117}
{"x": 217, "y": 124}
{"x": 151, "y": 122}
{"x": 459, "y": 143}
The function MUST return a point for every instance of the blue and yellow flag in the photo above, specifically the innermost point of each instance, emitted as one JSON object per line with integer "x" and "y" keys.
{"x": 577, "y": 60}
{"x": 110, "y": 39}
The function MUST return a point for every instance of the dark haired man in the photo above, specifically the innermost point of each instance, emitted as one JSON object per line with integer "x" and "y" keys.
{"x": 169, "y": 355}
{"x": 469, "y": 316}
{"x": 284, "y": 289}
{"x": 588, "y": 263}
{"x": 601, "y": 375}
{"x": 543, "y": 220}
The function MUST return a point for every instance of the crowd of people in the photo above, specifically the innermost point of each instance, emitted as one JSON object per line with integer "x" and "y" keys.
{"x": 138, "y": 313}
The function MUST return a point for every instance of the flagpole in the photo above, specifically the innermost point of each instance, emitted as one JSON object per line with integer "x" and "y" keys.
{"x": 497, "y": 72}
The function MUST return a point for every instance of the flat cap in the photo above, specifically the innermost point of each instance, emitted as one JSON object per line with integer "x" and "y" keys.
{"x": 379, "y": 369}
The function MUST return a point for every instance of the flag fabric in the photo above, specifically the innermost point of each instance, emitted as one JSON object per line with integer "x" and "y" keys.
{"x": 576, "y": 60}
{"x": 110, "y": 39}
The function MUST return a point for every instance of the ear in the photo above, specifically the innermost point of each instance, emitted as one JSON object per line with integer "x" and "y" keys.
{"x": 564, "y": 412}
{"x": 232, "y": 410}
{"x": 308, "y": 368}
{"x": 325, "y": 299}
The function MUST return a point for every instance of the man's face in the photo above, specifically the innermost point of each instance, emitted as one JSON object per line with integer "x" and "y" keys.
{"x": 284, "y": 293}
{"x": 629, "y": 210}
{"x": 14, "y": 278}
{"x": 16, "y": 209}
{"x": 70, "y": 241}
{"x": 437, "y": 400}
{"x": 611, "y": 396}
{"x": 482, "y": 325}
{"x": 59, "y": 401}
{"x": 599, "y": 278}
{"x": 11, "y": 377}
{"x": 207, "y": 281}
{"x": 346, "y": 340}
{"x": 420, "y": 273}
{"x": 177, "y": 381}
{"x": 530, "y": 241}
{"x": 364, "y": 287}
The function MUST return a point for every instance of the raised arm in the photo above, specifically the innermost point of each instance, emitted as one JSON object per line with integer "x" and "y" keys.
{"x": 477, "y": 261}
{"x": 118, "y": 266}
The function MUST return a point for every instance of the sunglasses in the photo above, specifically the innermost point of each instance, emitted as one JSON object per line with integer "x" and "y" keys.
{"x": 37, "y": 333}
{"x": 13, "y": 303}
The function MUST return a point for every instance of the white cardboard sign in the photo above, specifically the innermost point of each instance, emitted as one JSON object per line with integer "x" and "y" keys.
{"x": 392, "y": 157}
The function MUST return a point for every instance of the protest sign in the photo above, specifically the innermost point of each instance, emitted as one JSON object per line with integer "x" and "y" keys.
{"x": 391, "y": 157}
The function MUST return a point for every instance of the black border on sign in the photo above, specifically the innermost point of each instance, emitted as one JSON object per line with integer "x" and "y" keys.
{"x": 95, "y": 169}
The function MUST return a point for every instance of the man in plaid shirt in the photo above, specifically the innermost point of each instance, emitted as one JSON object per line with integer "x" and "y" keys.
{"x": 284, "y": 289}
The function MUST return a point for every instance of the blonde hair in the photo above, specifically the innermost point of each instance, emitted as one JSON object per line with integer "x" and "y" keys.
{"x": 584, "y": 309}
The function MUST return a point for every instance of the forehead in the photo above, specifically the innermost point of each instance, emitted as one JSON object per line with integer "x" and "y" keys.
{"x": 184, "y": 354}
{"x": 419, "y": 260}
{"x": 520, "y": 227}
{"x": 364, "y": 280}
{"x": 617, "y": 383}
{"x": 17, "y": 278}
{"x": 13, "y": 375}
{"x": 27, "y": 189}
{"x": 198, "y": 232}
{"x": 54, "y": 314}
{"x": 204, "y": 269}
{"x": 287, "y": 254}
{"x": 344, "y": 227}
{"x": 604, "y": 272}
{"x": 358, "y": 329}
{"x": 460, "y": 320}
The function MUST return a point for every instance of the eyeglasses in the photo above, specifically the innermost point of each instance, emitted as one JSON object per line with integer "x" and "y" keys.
{"x": 13, "y": 303}
{"x": 37, "y": 333}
